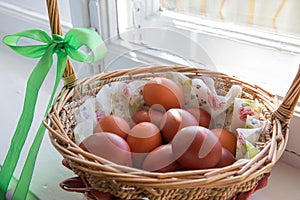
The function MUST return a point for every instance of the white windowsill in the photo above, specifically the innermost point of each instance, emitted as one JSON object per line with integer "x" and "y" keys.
{"x": 283, "y": 184}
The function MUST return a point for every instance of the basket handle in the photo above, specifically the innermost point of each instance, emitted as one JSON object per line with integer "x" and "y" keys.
{"x": 69, "y": 75}
{"x": 286, "y": 110}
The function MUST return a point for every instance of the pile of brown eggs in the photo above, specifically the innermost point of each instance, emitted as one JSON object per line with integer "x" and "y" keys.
{"x": 166, "y": 137}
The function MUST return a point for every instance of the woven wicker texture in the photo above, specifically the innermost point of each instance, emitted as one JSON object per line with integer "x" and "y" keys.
{"x": 130, "y": 183}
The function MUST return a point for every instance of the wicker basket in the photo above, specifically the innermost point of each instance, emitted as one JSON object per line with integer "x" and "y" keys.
{"x": 130, "y": 183}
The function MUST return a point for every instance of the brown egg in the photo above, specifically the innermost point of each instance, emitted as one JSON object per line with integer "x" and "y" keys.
{"x": 151, "y": 115}
{"x": 202, "y": 116}
{"x": 163, "y": 92}
{"x": 173, "y": 120}
{"x": 161, "y": 159}
{"x": 113, "y": 124}
{"x": 109, "y": 146}
{"x": 227, "y": 139}
{"x": 142, "y": 139}
{"x": 226, "y": 159}
{"x": 196, "y": 147}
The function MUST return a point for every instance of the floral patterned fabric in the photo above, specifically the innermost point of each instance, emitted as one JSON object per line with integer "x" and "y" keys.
{"x": 242, "y": 109}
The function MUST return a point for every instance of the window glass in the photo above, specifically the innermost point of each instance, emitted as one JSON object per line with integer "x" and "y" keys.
{"x": 279, "y": 16}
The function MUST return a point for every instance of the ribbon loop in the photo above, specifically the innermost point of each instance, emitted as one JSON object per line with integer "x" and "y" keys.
{"x": 84, "y": 37}
{"x": 32, "y": 51}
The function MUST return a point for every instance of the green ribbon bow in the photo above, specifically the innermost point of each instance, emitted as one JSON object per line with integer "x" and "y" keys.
{"x": 63, "y": 47}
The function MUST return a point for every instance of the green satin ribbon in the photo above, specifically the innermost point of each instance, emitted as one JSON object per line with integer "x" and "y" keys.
{"x": 63, "y": 47}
